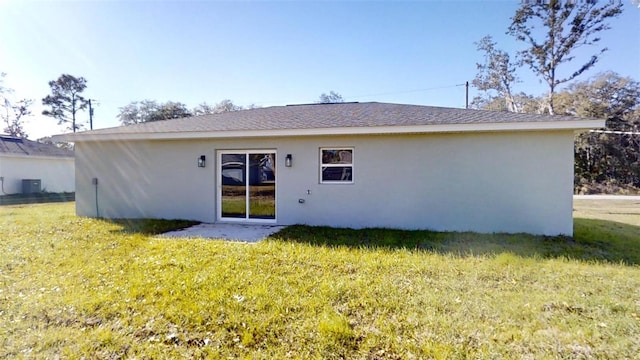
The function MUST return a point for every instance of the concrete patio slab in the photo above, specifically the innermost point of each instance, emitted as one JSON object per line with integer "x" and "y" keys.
{"x": 233, "y": 232}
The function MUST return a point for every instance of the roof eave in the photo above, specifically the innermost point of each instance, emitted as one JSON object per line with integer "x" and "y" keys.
{"x": 580, "y": 124}
{"x": 37, "y": 156}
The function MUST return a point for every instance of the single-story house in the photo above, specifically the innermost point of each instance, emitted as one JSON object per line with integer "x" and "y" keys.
{"x": 345, "y": 165}
{"x": 29, "y": 166}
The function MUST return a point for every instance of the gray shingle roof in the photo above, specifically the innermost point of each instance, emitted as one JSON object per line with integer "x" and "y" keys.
{"x": 323, "y": 116}
{"x": 17, "y": 146}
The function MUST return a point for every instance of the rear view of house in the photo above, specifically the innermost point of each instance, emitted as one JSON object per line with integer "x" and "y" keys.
{"x": 28, "y": 166}
{"x": 346, "y": 165}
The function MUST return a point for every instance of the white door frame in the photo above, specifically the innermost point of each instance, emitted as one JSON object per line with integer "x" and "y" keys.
{"x": 247, "y": 152}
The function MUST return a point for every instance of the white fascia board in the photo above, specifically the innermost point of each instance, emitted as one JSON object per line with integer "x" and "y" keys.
{"x": 374, "y": 130}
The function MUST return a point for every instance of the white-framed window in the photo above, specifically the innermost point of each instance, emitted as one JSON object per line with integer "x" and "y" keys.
{"x": 336, "y": 165}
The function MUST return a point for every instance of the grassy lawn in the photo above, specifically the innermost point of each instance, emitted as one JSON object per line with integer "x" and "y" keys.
{"x": 74, "y": 287}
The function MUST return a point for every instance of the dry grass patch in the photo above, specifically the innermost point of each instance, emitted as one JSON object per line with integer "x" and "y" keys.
{"x": 621, "y": 211}
{"x": 74, "y": 287}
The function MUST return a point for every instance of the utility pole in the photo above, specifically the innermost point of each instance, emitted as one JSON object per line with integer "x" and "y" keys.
{"x": 90, "y": 116}
{"x": 466, "y": 98}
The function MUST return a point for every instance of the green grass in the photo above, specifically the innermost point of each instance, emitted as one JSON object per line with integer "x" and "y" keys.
{"x": 259, "y": 207}
{"x": 597, "y": 240}
{"x": 261, "y": 204}
{"x": 75, "y": 287}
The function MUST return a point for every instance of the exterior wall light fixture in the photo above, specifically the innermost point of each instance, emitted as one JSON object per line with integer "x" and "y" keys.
{"x": 201, "y": 161}
{"x": 288, "y": 160}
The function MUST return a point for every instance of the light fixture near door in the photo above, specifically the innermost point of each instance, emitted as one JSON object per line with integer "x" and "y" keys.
{"x": 202, "y": 161}
{"x": 288, "y": 160}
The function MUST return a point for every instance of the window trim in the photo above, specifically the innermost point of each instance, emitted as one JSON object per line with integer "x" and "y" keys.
{"x": 323, "y": 165}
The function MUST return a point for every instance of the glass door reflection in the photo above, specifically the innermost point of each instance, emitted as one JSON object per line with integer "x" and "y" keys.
{"x": 262, "y": 186}
{"x": 248, "y": 181}
{"x": 234, "y": 185}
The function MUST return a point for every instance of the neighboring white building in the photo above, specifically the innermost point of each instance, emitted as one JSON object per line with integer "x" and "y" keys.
{"x": 21, "y": 159}
{"x": 346, "y": 165}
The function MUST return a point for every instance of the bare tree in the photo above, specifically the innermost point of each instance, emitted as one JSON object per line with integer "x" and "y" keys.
{"x": 12, "y": 114}
{"x": 331, "y": 98}
{"x": 554, "y": 29}
{"x": 203, "y": 109}
{"x": 137, "y": 112}
{"x": 497, "y": 73}
{"x": 150, "y": 110}
{"x": 225, "y": 105}
{"x": 524, "y": 103}
{"x": 170, "y": 110}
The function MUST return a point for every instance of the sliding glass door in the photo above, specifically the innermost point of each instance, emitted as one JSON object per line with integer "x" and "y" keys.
{"x": 247, "y": 185}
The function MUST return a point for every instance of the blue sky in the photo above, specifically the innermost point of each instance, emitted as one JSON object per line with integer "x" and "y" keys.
{"x": 265, "y": 53}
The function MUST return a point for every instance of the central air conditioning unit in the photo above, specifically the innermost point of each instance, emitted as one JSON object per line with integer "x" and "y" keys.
{"x": 31, "y": 186}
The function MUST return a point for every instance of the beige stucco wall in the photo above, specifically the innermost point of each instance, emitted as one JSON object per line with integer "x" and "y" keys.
{"x": 485, "y": 182}
{"x": 56, "y": 174}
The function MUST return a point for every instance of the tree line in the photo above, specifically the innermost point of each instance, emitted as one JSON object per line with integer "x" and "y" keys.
{"x": 67, "y": 101}
{"x": 150, "y": 110}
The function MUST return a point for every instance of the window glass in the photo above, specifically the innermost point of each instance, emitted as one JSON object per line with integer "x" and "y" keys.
{"x": 337, "y": 156}
{"x": 336, "y": 165}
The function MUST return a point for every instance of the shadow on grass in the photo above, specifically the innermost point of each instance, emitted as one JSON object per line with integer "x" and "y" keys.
{"x": 594, "y": 240}
{"x": 149, "y": 226}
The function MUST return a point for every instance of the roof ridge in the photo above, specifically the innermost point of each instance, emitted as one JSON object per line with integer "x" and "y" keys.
{"x": 329, "y": 103}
